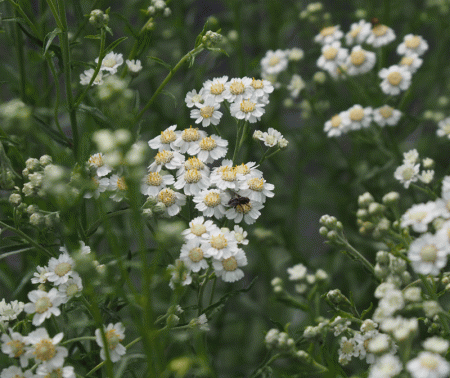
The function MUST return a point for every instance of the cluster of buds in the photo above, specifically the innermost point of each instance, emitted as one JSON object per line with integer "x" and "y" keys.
{"x": 391, "y": 269}
{"x": 98, "y": 18}
{"x": 212, "y": 39}
{"x": 332, "y": 229}
{"x": 158, "y": 7}
{"x": 371, "y": 215}
{"x": 279, "y": 340}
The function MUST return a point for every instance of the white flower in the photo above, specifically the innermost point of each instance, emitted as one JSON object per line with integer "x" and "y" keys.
{"x": 274, "y": 62}
{"x": 248, "y": 212}
{"x": 134, "y": 66}
{"x": 240, "y": 235}
{"x": 363, "y": 341}
{"x": 411, "y": 157}
{"x": 426, "y": 176}
{"x": 165, "y": 140}
{"x": 412, "y": 44}
{"x": 10, "y": 311}
{"x": 225, "y": 176}
{"x": 60, "y": 269}
{"x": 380, "y": 343}
{"x": 193, "y": 255}
{"x": 407, "y": 173}
{"x": 44, "y": 349}
{"x": 387, "y": 366}
{"x": 328, "y": 35}
{"x": 340, "y": 325}
{"x": 210, "y": 149}
{"x": 208, "y": 112}
{"x": 392, "y": 301}
{"x": 248, "y": 170}
{"x": 194, "y": 98}
{"x": 192, "y": 182}
{"x": 72, "y": 287}
{"x": 114, "y": 334}
{"x": 97, "y": 162}
{"x": 360, "y": 61}
{"x": 119, "y": 186}
{"x": 411, "y": 62}
{"x": 201, "y": 322}
{"x": 395, "y": 79}
{"x": 383, "y": 288}
{"x": 59, "y": 372}
{"x": 16, "y": 372}
{"x": 167, "y": 159}
{"x": 338, "y": 124}
{"x": 271, "y": 137}
{"x": 249, "y": 109}
{"x": 111, "y": 62}
{"x": 428, "y": 365}
{"x": 153, "y": 182}
{"x": 228, "y": 268}
{"x": 297, "y": 272}
{"x": 219, "y": 243}
{"x": 428, "y": 254}
{"x": 358, "y": 32}
{"x": 215, "y": 88}
{"x": 13, "y": 344}
{"x": 256, "y": 189}
{"x": 212, "y": 202}
{"x": 295, "y": 54}
{"x": 296, "y": 85}
{"x": 172, "y": 200}
{"x": 175, "y": 271}
{"x": 43, "y": 305}
{"x": 85, "y": 78}
{"x": 197, "y": 228}
{"x": 238, "y": 89}
{"x": 444, "y": 128}
{"x": 347, "y": 350}
{"x": 380, "y": 35}
{"x": 333, "y": 56}
{"x": 386, "y": 115}
{"x": 419, "y": 216}
{"x": 359, "y": 117}
{"x": 188, "y": 140}
{"x": 436, "y": 345}
{"x": 99, "y": 186}
{"x": 261, "y": 88}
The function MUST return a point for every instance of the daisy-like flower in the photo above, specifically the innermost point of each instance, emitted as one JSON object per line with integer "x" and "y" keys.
{"x": 166, "y": 140}
{"x": 153, "y": 182}
{"x": 59, "y": 372}
{"x": 228, "y": 268}
{"x": 411, "y": 62}
{"x": 249, "y": 212}
{"x": 97, "y": 162}
{"x": 328, "y": 35}
{"x": 167, "y": 159}
{"x": 72, "y": 288}
{"x": 339, "y": 325}
{"x": 444, "y": 128}
{"x": 219, "y": 243}
{"x": 436, "y": 345}
{"x": 429, "y": 365}
{"x": 85, "y": 78}
{"x": 419, "y": 216}
{"x": 297, "y": 272}
{"x": 212, "y": 202}
{"x": 360, "y": 61}
{"x": 188, "y": 140}
{"x": 238, "y": 89}
{"x": 362, "y": 347}
{"x": 225, "y": 176}
{"x": 386, "y": 115}
{"x": 40, "y": 277}
{"x": 98, "y": 186}
{"x": 428, "y": 254}
{"x": 210, "y": 149}
{"x": 256, "y": 189}
{"x": 172, "y": 200}
{"x": 295, "y": 54}
{"x": 193, "y": 256}
{"x": 271, "y": 137}
{"x": 114, "y": 333}
{"x": 192, "y": 182}
{"x": 247, "y": 171}
{"x": 358, "y": 33}
{"x": 261, "y": 88}
{"x": 411, "y": 157}
{"x": 208, "y": 112}
{"x": 215, "y": 88}
{"x": 201, "y": 323}
{"x": 338, "y": 124}
{"x": 198, "y": 227}
{"x": 240, "y": 235}
{"x": 43, "y": 305}
{"x": 194, "y": 99}
{"x": 13, "y": 345}
{"x": 426, "y": 176}
{"x": 387, "y": 366}
{"x": 134, "y": 66}
{"x": 60, "y": 269}
{"x": 10, "y": 311}
{"x": 274, "y": 62}
{"x": 407, "y": 173}
{"x": 45, "y": 349}
{"x": 347, "y": 350}
{"x": 111, "y": 62}
{"x": 193, "y": 163}
{"x": 249, "y": 109}
{"x": 296, "y": 85}
{"x": 360, "y": 117}
{"x": 119, "y": 186}
{"x": 179, "y": 274}
{"x": 16, "y": 372}
{"x": 395, "y": 79}
{"x": 380, "y": 35}
{"x": 333, "y": 56}
{"x": 412, "y": 44}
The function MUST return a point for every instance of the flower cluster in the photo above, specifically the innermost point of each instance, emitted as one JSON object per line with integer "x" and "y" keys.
{"x": 408, "y": 172}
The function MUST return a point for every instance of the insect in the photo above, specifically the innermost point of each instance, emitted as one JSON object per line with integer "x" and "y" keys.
{"x": 374, "y": 21}
{"x": 238, "y": 201}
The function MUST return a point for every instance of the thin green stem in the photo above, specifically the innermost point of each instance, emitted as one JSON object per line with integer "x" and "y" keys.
{"x": 20, "y": 59}
{"x": 30, "y": 24}
{"x": 81, "y": 338}
{"x": 201, "y": 291}
{"x": 358, "y": 255}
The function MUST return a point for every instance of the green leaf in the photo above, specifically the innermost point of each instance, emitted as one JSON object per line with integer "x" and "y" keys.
{"x": 113, "y": 45}
{"x": 127, "y": 23}
{"x": 99, "y": 118}
{"x": 218, "y": 49}
{"x": 50, "y": 37}
{"x": 11, "y": 253}
{"x": 366, "y": 311}
{"x": 198, "y": 40}
{"x": 160, "y": 61}
{"x": 171, "y": 95}
{"x": 51, "y": 133}
{"x": 93, "y": 36}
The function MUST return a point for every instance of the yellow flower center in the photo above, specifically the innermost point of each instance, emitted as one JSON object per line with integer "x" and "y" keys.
{"x": 358, "y": 57}
{"x": 207, "y": 111}
{"x": 194, "y": 163}
{"x": 196, "y": 254}
{"x": 418, "y": 215}
{"x": 274, "y": 60}
{"x": 380, "y": 30}
{"x": 428, "y": 253}
{"x": 229, "y": 174}
{"x": 247, "y": 106}
{"x": 330, "y": 53}
{"x": 336, "y": 121}
{"x": 408, "y": 173}
{"x": 394, "y": 78}
{"x": 230, "y": 264}
{"x": 121, "y": 184}
{"x": 386, "y": 111}
{"x": 154, "y": 179}
{"x": 43, "y": 304}
{"x": 413, "y": 42}
{"x": 244, "y": 208}
{"x": 217, "y": 88}
{"x": 356, "y": 114}
{"x": 355, "y": 31}
{"x": 55, "y": 373}
{"x": 45, "y": 350}
{"x": 96, "y": 160}
{"x": 237, "y": 88}
{"x": 243, "y": 169}
{"x": 72, "y": 289}
{"x": 110, "y": 62}
{"x": 257, "y": 84}
{"x": 16, "y": 347}
{"x": 112, "y": 338}
{"x": 430, "y": 363}
{"x": 197, "y": 98}
{"x": 168, "y": 136}
{"x": 256, "y": 184}
{"x": 163, "y": 157}
{"x": 198, "y": 229}
{"x": 62, "y": 269}
{"x": 212, "y": 199}
{"x": 192, "y": 176}
{"x": 219, "y": 242}
{"x": 406, "y": 61}
{"x": 327, "y": 31}
{"x": 190, "y": 135}
{"x": 167, "y": 197}
{"x": 347, "y": 347}
{"x": 270, "y": 139}
{"x": 208, "y": 144}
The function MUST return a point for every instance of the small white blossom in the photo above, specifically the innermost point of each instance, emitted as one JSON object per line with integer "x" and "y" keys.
{"x": 134, "y": 66}
{"x": 85, "y": 78}
{"x": 386, "y": 115}
{"x": 274, "y": 62}
{"x": 338, "y": 124}
{"x": 13, "y": 345}
{"x": 328, "y": 35}
{"x": 380, "y": 35}
{"x": 228, "y": 268}
{"x": 114, "y": 334}
{"x": 386, "y": 366}
{"x": 43, "y": 305}
{"x": 411, "y": 62}
{"x": 172, "y": 200}
{"x": 407, "y": 173}
{"x": 428, "y": 365}
{"x": 444, "y": 128}
{"x": 360, "y": 61}
{"x": 358, "y": 32}
{"x": 45, "y": 349}
{"x": 212, "y": 202}
{"x": 111, "y": 62}
{"x": 436, "y": 345}
{"x": 166, "y": 140}
{"x": 153, "y": 182}
{"x": 360, "y": 117}
{"x": 395, "y": 79}
{"x": 207, "y": 113}
{"x": 428, "y": 254}
{"x": 215, "y": 88}
{"x": 412, "y": 44}
{"x": 193, "y": 255}
{"x": 194, "y": 99}
{"x": 60, "y": 269}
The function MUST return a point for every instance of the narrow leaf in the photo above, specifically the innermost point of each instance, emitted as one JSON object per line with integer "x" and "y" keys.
{"x": 160, "y": 61}
{"x": 113, "y": 45}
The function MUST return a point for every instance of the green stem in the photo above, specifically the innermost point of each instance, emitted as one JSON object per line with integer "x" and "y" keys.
{"x": 30, "y": 24}
{"x": 200, "y": 292}
{"x": 238, "y": 138}
{"x": 265, "y": 156}
{"x": 81, "y": 338}
{"x": 20, "y": 59}
{"x": 358, "y": 255}
{"x": 172, "y": 72}
{"x": 84, "y": 23}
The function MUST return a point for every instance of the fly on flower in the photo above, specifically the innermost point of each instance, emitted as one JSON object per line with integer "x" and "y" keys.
{"x": 238, "y": 201}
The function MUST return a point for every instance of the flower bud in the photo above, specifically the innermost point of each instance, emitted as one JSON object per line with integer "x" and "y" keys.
{"x": 15, "y": 199}
{"x": 390, "y": 198}
{"x": 364, "y": 200}
{"x": 98, "y": 19}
